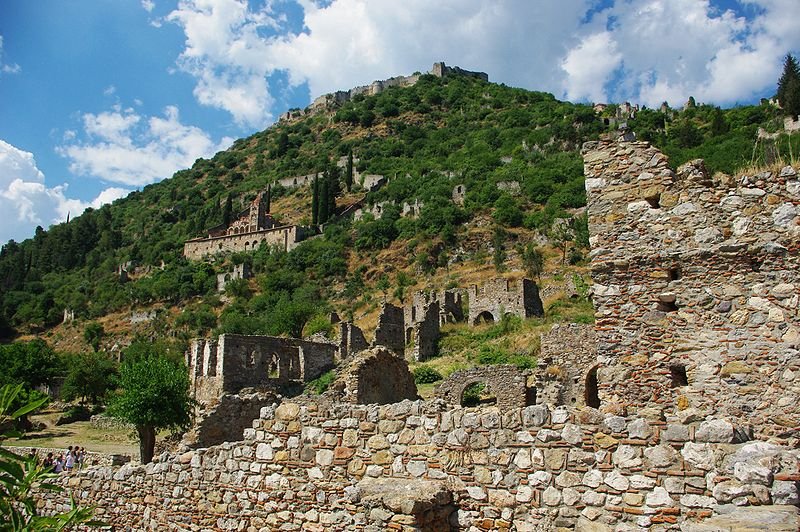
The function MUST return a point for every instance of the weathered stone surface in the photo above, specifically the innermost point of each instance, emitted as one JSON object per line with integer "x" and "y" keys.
{"x": 715, "y": 430}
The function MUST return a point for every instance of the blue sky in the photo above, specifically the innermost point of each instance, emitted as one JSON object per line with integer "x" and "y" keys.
{"x": 100, "y": 97}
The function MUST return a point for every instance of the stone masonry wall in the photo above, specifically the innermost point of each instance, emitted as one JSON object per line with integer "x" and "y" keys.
{"x": 567, "y": 360}
{"x": 696, "y": 287}
{"x": 498, "y": 297}
{"x": 390, "y": 331}
{"x": 233, "y": 361}
{"x": 285, "y": 237}
{"x": 521, "y": 469}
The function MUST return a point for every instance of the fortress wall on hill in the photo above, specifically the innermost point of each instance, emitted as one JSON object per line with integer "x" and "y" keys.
{"x": 319, "y": 467}
{"x": 696, "y": 287}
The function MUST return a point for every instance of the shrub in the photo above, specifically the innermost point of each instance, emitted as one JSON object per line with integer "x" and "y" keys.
{"x": 321, "y": 383}
{"x": 426, "y": 375}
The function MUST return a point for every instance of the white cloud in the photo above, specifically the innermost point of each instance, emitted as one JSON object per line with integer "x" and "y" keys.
{"x": 124, "y": 147}
{"x": 673, "y": 49}
{"x": 590, "y": 65}
{"x": 148, "y": 5}
{"x": 7, "y": 68}
{"x": 26, "y": 201}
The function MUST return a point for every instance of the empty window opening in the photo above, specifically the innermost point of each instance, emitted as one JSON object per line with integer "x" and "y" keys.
{"x": 674, "y": 273}
{"x": 654, "y": 201}
{"x": 755, "y": 265}
{"x": 484, "y": 317}
{"x": 590, "y": 394}
{"x": 477, "y": 393}
{"x": 678, "y": 375}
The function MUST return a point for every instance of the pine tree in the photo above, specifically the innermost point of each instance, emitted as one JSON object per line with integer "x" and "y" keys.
{"x": 789, "y": 87}
{"x": 348, "y": 177}
{"x": 315, "y": 202}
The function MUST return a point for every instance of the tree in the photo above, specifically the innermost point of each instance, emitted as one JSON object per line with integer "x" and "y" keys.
{"x": 532, "y": 260}
{"x": 322, "y": 201}
{"x": 499, "y": 244}
{"x": 92, "y": 334}
{"x": 315, "y": 202}
{"x": 334, "y": 189}
{"x": 155, "y": 395}
{"x": 21, "y": 477}
{"x": 789, "y": 87}
{"x": 227, "y": 211}
{"x": 561, "y": 235}
{"x": 89, "y": 376}
{"x": 268, "y": 201}
{"x": 348, "y": 176}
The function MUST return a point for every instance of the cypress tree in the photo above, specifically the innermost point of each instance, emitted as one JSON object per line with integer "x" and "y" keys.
{"x": 315, "y": 202}
{"x": 322, "y": 203}
{"x": 268, "y": 202}
{"x": 227, "y": 212}
{"x": 348, "y": 177}
{"x": 333, "y": 189}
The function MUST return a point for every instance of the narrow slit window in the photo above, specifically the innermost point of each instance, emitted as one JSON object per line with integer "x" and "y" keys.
{"x": 678, "y": 376}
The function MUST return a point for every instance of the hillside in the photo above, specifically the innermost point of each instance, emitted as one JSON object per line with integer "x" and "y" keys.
{"x": 515, "y": 151}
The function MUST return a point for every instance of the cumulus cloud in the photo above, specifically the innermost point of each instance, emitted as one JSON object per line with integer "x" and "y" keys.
{"x": 27, "y": 202}
{"x": 122, "y": 146}
{"x": 672, "y": 49}
{"x": 641, "y": 50}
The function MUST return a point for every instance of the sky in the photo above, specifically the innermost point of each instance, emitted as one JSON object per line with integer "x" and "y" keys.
{"x": 101, "y": 97}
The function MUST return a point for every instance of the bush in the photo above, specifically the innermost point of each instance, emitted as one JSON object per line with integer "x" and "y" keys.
{"x": 321, "y": 384}
{"x": 426, "y": 375}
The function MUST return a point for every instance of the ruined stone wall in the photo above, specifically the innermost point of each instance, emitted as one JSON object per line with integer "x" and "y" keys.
{"x": 239, "y": 271}
{"x": 91, "y": 458}
{"x": 233, "y": 362}
{"x": 498, "y": 297}
{"x": 351, "y": 339}
{"x": 567, "y": 366}
{"x": 425, "y": 333}
{"x": 226, "y": 419}
{"x": 298, "y": 181}
{"x": 527, "y": 468}
{"x": 390, "y": 331}
{"x": 373, "y": 376}
{"x": 285, "y": 237}
{"x": 696, "y": 287}
{"x": 507, "y": 383}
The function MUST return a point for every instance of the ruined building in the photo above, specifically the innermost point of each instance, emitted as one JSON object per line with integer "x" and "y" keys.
{"x": 696, "y": 287}
{"x": 251, "y": 228}
{"x": 231, "y": 362}
{"x": 498, "y": 297}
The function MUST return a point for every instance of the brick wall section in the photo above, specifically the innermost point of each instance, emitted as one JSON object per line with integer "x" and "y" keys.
{"x": 285, "y": 237}
{"x": 304, "y": 466}
{"x": 698, "y": 276}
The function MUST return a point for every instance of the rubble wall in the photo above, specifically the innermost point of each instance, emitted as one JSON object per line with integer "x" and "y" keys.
{"x": 523, "y": 468}
{"x": 696, "y": 287}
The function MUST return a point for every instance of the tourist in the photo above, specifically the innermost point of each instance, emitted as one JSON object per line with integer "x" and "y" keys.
{"x": 80, "y": 457}
{"x": 58, "y": 467}
{"x": 69, "y": 462}
{"x": 48, "y": 461}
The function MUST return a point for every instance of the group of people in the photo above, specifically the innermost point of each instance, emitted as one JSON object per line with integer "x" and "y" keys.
{"x": 67, "y": 461}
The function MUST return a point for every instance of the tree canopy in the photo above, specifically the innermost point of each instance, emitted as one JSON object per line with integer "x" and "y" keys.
{"x": 155, "y": 395}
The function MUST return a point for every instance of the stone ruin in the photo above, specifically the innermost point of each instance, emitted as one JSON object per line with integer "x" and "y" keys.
{"x": 498, "y": 297}
{"x": 251, "y": 228}
{"x": 239, "y": 271}
{"x": 567, "y": 371}
{"x": 696, "y": 328}
{"x": 507, "y": 383}
{"x": 373, "y": 376}
{"x": 696, "y": 287}
{"x": 231, "y": 362}
{"x": 459, "y": 194}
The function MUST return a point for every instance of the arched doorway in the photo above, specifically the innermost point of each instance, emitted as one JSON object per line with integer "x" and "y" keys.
{"x": 477, "y": 393}
{"x": 590, "y": 394}
{"x": 484, "y": 317}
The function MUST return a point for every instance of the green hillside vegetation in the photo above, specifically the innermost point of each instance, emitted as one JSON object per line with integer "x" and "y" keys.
{"x": 426, "y": 139}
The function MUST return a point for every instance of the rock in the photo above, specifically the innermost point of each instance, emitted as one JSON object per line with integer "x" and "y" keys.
{"x": 613, "y": 424}
{"x": 324, "y": 457}
{"x": 661, "y": 456}
{"x": 659, "y": 497}
{"x": 287, "y": 411}
{"x": 540, "y": 478}
{"x": 524, "y": 494}
{"x": 641, "y": 482}
{"x": 535, "y": 416}
{"x": 560, "y": 415}
{"x": 617, "y": 480}
{"x": 749, "y": 473}
{"x": 568, "y": 479}
{"x": 787, "y": 171}
{"x": 264, "y": 451}
{"x": 546, "y": 435}
{"x": 708, "y": 235}
{"x": 409, "y": 497}
{"x": 551, "y": 496}
{"x": 572, "y": 434}
{"x": 592, "y": 478}
{"x": 698, "y": 455}
{"x": 715, "y": 430}
{"x": 784, "y": 215}
{"x": 783, "y": 290}
{"x": 784, "y": 492}
{"x": 592, "y": 498}
{"x": 639, "y": 429}
{"x": 697, "y": 501}
{"x": 676, "y": 433}
{"x": 729, "y": 490}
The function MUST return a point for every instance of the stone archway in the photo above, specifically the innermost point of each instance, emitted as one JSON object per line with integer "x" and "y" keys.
{"x": 484, "y": 317}
{"x": 508, "y": 384}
